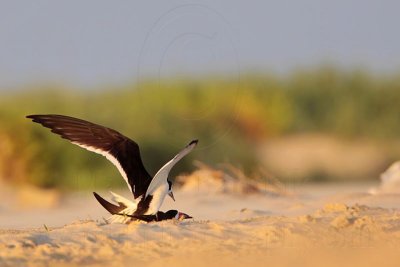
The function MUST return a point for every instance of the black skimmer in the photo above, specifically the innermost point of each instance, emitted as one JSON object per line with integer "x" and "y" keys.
{"x": 149, "y": 193}
{"x": 118, "y": 210}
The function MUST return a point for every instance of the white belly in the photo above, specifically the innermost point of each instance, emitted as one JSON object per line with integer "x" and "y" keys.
{"x": 158, "y": 199}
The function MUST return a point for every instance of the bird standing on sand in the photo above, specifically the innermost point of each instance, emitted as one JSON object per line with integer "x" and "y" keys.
{"x": 149, "y": 193}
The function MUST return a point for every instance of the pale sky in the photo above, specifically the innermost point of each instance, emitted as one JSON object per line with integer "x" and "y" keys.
{"x": 97, "y": 42}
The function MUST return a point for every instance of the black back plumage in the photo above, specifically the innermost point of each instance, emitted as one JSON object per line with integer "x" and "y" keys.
{"x": 158, "y": 217}
{"x": 161, "y": 216}
{"x": 102, "y": 139}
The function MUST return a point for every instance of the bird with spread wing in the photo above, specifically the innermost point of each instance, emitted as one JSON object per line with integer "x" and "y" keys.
{"x": 148, "y": 192}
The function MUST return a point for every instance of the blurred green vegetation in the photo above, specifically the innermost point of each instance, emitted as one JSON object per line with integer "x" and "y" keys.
{"x": 231, "y": 116}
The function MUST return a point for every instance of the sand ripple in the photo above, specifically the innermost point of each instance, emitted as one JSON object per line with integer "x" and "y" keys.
{"x": 335, "y": 234}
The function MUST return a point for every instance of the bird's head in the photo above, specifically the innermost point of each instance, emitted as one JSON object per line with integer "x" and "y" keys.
{"x": 174, "y": 214}
{"x": 170, "y": 190}
{"x": 182, "y": 216}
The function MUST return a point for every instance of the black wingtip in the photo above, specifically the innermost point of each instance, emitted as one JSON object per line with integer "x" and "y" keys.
{"x": 194, "y": 142}
{"x": 40, "y": 117}
{"x": 34, "y": 118}
{"x": 98, "y": 197}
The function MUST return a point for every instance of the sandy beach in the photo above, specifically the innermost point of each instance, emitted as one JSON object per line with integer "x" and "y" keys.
{"x": 309, "y": 225}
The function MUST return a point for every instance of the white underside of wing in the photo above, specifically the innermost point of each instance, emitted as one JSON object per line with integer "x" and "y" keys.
{"x": 131, "y": 207}
{"x": 110, "y": 157}
{"x": 161, "y": 176}
{"x": 120, "y": 199}
{"x": 158, "y": 187}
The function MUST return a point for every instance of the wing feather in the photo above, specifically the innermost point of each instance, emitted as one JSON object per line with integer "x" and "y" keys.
{"x": 161, "y": 176}
{"x": 117, "y": 148}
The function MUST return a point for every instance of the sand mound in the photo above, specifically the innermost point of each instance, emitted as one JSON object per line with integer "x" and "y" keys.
{"x": 390, "y": 180}
{"x": 228, "y": 180}
{"x": 301, "y": 156}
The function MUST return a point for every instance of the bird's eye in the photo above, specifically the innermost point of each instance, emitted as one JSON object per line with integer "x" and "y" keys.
{"x": 169, "y": 185}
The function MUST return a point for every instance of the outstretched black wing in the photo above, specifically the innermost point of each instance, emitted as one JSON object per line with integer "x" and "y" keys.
{"x": 117, "y": 148}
